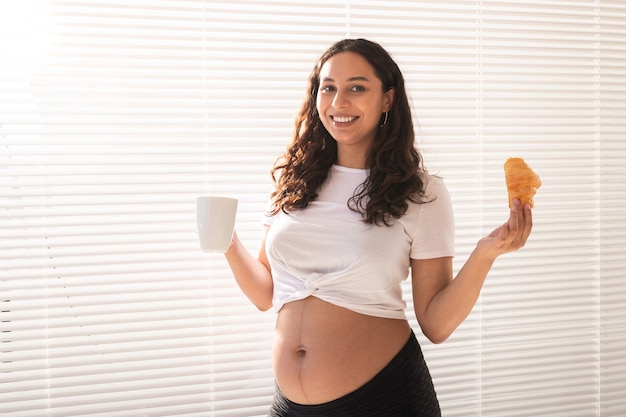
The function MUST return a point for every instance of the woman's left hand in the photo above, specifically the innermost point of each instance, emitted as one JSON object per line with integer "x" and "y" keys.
{"x": 512, "y": 235}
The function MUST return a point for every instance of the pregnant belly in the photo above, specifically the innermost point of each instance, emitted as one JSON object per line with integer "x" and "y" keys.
{"x": 323, "y": 352}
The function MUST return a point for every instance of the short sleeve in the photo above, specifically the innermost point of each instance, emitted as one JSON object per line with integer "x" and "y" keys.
{"x": 434, "y": 228}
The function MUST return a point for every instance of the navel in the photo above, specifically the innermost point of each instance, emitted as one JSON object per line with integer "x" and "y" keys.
{"x": 300, "y": 352}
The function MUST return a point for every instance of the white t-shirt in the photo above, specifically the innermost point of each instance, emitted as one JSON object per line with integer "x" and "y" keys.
{"x": 327, "y": 251}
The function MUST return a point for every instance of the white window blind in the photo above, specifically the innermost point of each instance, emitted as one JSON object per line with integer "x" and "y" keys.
{"x": 116, "y": 114}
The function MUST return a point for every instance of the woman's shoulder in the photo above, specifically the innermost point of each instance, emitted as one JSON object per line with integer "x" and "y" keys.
{"x": 433, "y": 185}
{"x": 435, "y": 197}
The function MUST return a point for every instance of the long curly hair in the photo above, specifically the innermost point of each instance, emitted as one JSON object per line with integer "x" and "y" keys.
{"x": 395, "y": 165}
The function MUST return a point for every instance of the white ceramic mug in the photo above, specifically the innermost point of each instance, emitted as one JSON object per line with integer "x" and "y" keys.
{"x": 216, "y": 222}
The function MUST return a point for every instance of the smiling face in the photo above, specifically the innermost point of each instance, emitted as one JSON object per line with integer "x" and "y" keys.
{"x": 350, "y": 102}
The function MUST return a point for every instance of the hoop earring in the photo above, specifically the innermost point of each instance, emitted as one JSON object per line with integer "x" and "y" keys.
{"x": 385, "y": 121}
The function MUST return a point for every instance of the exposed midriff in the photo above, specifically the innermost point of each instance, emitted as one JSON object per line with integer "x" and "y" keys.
{"x": 323, "y": 352}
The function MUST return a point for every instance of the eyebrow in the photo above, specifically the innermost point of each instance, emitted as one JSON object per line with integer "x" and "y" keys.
{"x": 359, "y": 78}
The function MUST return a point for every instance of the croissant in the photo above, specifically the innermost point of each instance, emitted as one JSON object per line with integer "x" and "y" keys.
{"x": 521, "y": 181}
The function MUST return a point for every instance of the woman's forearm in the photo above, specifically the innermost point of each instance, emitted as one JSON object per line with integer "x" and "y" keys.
{"x": 252, "y": 275}
{"x": 453, "y": 300}
{"x": 451, "y": 306}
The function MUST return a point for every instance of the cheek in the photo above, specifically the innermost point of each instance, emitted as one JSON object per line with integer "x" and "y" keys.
{"x": 322, "y": 106}
{"x": 319, "y": 104}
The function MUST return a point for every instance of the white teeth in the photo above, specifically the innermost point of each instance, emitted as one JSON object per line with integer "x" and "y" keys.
{"x": 344, "y": 119}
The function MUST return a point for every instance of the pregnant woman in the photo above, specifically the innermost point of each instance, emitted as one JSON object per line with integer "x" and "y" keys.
{"x": 353, "y": 212}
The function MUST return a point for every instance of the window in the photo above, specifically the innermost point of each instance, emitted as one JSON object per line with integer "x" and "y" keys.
{"x": 115, "y": 115}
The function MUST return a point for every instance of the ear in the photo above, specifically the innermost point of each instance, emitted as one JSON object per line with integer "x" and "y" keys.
{"x": 388, "y": 99}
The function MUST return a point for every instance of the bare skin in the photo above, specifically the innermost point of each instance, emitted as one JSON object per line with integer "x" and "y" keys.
{"x": 322, "y": 352}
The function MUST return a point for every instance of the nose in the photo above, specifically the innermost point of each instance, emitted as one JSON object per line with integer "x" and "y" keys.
{"x": 340, "y": 100}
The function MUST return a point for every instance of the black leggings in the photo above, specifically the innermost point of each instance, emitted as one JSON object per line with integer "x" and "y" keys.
{"x": 404, "y": 388}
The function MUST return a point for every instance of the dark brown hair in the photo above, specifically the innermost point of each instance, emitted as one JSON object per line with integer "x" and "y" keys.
{"x": 394, "y": 162}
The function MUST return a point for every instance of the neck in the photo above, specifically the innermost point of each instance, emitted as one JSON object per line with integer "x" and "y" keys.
{"x": 351, "y": 158}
